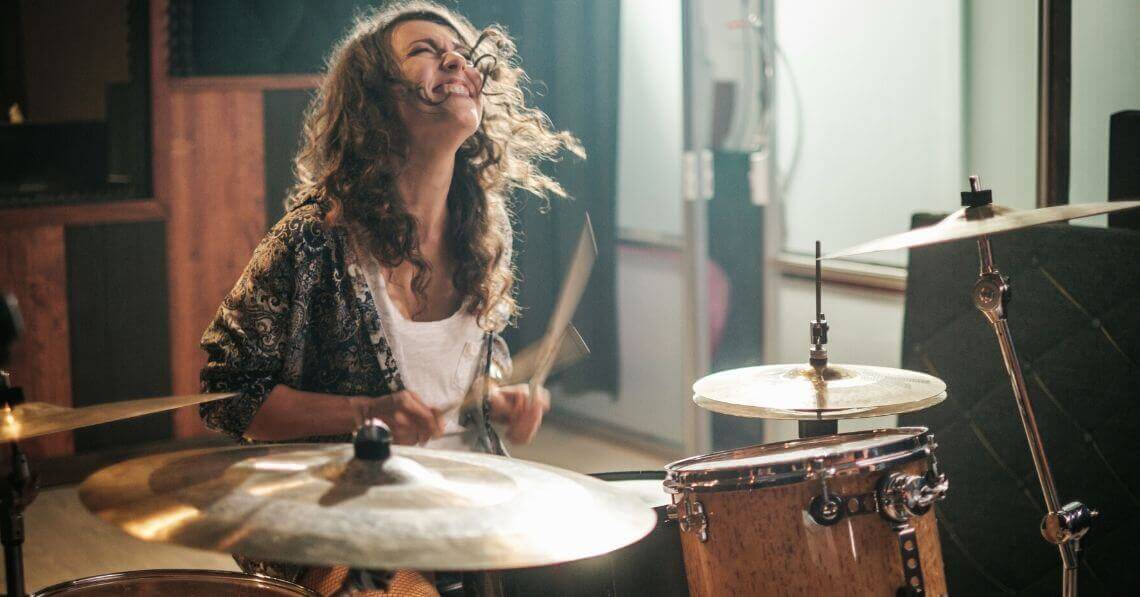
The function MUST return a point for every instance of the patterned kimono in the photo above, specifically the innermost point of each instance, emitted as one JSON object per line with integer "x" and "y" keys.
{"x": 302, "y": 315}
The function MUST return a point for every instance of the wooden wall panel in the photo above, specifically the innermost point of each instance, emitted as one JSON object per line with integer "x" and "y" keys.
{"x": 32, "y": 267}
{"x": 215, "y": 196}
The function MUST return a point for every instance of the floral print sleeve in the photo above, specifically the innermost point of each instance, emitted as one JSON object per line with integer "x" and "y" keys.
{"x": 245, "y": 342}
{"x": 297, "y": 316}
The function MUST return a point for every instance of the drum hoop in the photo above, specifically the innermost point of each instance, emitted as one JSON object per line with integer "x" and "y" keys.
{"x": 642, "y": 475}
{"x": 838, "y": 464}
{"x": 169, "y": 573}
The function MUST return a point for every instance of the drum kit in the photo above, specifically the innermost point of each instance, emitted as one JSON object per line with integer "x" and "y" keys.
{"x": 829, "y": 513}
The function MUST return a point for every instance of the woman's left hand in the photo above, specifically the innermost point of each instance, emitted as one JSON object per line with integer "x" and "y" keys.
{"x": 519, "y": 411}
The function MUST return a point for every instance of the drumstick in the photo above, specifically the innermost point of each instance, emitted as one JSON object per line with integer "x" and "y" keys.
{"x": 573, "y": 286}
{"x": 571, "y": 350}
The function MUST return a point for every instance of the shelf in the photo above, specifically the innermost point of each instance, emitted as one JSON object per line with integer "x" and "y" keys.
{"x": 108, "y": 212}
{"x": 839, "y": 271}
{"x": 252, "y": 83}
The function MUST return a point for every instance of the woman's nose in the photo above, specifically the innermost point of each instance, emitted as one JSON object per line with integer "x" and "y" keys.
{"x": 454, "y": 61}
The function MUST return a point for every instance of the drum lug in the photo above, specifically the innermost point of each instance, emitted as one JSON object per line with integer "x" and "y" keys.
{"x": 689, "y": 512}
{"x": 827, "y": 508}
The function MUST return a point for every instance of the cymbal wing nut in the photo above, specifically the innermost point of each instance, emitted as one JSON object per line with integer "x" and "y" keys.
{"x": 373, "y": 442}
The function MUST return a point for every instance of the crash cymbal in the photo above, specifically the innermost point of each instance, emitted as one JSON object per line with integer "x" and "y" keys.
{"x": 317, "y": 504}
{"x": 970, "y": 222}
{"x": 801, "y": 392}
{"x": 32, "y": 419}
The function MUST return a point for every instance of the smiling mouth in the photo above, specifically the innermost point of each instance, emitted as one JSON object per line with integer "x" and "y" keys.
{"x": 454, "y": 89}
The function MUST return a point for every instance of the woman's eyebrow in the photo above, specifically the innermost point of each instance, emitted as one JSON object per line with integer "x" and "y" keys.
{"x": 436, "y": 46}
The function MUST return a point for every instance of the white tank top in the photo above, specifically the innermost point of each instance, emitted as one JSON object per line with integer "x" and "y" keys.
{"x": 437, "y": 360}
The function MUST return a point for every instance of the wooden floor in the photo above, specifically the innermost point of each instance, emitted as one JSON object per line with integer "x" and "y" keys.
{"x": 64, "y": 542}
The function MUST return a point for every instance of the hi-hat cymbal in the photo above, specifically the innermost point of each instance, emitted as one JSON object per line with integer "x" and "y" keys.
{"x": 315, "y": 504}
{"x": 800, "y": 392}
{"x": 33, "y": 419}
{"x": 970, "y": 222}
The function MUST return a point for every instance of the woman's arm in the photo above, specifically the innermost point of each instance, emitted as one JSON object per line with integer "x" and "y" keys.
{"x": 244, "y": 343}
{"x": 288, "y": 413}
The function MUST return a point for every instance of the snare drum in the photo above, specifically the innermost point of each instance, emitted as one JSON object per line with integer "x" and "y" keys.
{"x": 652, "y": 566}
{"x": 845, "y": 514}
{"x": 184, "y": 583}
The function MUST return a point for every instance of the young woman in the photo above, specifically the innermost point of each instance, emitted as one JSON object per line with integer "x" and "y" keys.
{"x": 377, "y": 292}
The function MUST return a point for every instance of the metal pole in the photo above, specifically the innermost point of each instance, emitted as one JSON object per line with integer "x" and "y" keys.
{"x": 1054, "y": 94}
{"x": 774, "y": 210}
{"x": 1063, "y": 525}
{"x": 696, "y": 189}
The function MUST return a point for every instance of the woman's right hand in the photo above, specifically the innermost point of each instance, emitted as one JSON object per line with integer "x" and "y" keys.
{"x": 408, "y": 418}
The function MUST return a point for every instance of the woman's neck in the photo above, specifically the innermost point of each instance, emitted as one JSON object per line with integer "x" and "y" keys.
{"x": 423, "y": 184}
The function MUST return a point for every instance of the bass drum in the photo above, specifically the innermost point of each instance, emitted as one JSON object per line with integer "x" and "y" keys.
{"x": 184, "y": 583}
{"x": 652, "y": 566}
{"x": 846, "y": 514}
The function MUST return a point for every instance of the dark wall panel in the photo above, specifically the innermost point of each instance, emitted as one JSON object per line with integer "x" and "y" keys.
{"x": 1076, "y": 328}
{"x": 256, "y": 37}
{"x": 736, "y": 247}
{"x": 284, "y": 116}
{"x": 558, "y": 45}
{"x": 117, "y": 297}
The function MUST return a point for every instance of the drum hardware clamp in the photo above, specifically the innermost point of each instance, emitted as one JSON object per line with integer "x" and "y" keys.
{"x": 690, "y": 514}
{"x": 897, "y": 498}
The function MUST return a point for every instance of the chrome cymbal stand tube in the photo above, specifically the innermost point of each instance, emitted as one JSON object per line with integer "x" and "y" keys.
{"x": 817, "y": 355}
{"x": 1062, "y": 526}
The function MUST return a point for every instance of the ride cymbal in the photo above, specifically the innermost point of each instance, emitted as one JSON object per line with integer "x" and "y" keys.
{"x": 970, "y": 222}
{"x": 317, "y": 504}
{"x": 800, "y": 392}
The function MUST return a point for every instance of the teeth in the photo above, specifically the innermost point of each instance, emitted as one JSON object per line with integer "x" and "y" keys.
{"x": 456, "y": 90}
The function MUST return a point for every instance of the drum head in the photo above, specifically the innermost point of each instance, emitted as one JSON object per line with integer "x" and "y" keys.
{"x": 647, "y": 485}
{"x": 184, "y": 583}
{"x": 799, "y": 460}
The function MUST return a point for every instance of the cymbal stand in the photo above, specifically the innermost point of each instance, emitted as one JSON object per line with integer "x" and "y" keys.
{"x": 18, "y": 490}
{"x": 817, "y": 355}
{"x": 1062, "y": 526}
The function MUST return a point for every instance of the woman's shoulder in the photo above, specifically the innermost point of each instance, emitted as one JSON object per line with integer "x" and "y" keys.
{"x": 303, "y": 227}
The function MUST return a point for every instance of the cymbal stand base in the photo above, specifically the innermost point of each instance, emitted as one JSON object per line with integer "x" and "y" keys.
{"x": 1061, "y": 526}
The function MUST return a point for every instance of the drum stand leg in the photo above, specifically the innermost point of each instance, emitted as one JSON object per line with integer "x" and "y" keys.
{"x": 17, "y": 491}
{"x": 1062, "y": 526}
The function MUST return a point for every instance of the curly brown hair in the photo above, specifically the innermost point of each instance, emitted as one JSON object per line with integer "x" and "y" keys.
{"x": 354, "y": 143}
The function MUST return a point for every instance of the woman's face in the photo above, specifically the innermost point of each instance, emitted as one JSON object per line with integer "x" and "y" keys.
{"x": 432, "y": 57}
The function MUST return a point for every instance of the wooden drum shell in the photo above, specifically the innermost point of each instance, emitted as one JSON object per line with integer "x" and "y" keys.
{"x": 763, "y": 542}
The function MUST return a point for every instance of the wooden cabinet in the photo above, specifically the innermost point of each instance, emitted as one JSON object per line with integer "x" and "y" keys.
{"x": 116, "y": 294}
